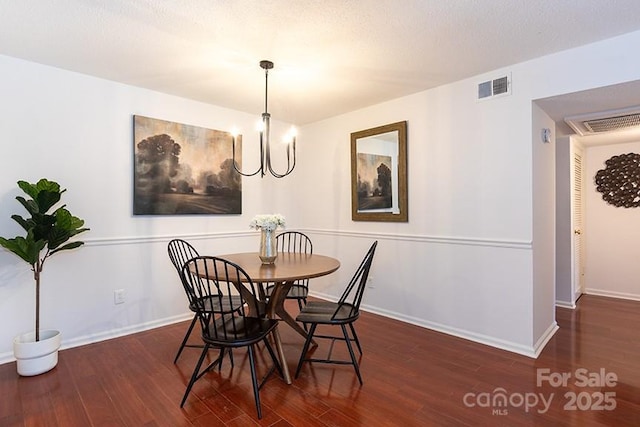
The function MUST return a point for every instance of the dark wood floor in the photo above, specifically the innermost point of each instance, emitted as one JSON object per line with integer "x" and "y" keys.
{"x": 412, "y": 377}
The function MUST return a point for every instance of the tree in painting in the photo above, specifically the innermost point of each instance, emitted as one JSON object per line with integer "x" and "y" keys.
{"x": 384, "y": 181}
{"x": 374, "y": 182}
{"x": 157, "y": 160}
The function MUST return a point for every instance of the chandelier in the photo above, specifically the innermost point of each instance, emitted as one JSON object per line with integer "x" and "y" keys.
{"x": 265, "y": 147}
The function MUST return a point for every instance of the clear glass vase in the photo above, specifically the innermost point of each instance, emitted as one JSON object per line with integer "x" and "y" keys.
{"x": 268, "y": 253}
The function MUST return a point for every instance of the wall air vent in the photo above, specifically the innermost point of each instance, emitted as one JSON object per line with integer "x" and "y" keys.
{"x": 605, "y": 121}
{"x": 493, "y": 88}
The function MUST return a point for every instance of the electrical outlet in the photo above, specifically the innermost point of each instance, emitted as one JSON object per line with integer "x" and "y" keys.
{"x": 118, "y": 296}
{"x": 370, "y": 284}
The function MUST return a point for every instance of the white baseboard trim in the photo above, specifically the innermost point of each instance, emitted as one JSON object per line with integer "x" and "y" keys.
{"x": 532, "y": 352}
{"x": 612, "y": 294}
{"x": 566, "y": 304}
{"x": 544, "y": 339}
{"x": 115, "y": 333}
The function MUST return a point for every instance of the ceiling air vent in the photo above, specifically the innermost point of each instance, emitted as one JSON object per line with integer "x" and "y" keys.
{"x": 495, "y": 87}
{"x": 605, "y": 121}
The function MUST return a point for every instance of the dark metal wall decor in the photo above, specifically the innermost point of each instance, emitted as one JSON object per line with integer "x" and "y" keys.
{"x": 619, "y": 181}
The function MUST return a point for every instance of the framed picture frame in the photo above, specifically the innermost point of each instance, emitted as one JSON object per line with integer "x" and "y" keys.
{"x": 379, "y": 174}
{"x": 183, "y": 170}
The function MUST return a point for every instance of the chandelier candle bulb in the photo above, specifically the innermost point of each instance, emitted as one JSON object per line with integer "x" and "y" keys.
{"x": 290, "y": 137}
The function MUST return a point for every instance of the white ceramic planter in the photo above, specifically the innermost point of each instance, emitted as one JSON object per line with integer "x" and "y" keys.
{"x": 35, "y": 358}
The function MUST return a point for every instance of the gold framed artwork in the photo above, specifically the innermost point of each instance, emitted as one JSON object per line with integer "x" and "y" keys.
{"x": 181, "y": 169}
{"x": 379, "y": 174}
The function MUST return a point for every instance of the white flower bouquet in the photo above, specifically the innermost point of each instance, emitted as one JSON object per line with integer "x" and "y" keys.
{"x": 267, "y": 222}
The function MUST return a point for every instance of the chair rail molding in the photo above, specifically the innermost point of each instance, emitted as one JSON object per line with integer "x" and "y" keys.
{"x": 448, "y": 240}
{"x": 132, "y": 240}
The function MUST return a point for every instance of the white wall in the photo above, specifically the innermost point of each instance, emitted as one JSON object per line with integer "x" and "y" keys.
{"x": 544, "y": 220}
{"x": 463, "y": 263}
{"x": 78, "y": 130}
{"x": 612, "y": 234}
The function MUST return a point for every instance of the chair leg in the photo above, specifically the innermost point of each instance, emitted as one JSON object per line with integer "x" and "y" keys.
{"x": 300, "y": 305}
{"x": 194, "y": 376}
{"x": 254, "y": 381}
{"x": 355, "y": 337}
{"x": 230, "y": 358}
{"x": 312, "y": 330}
{"x": 273, "y": 357}
{"x": 353, "y": 356}
{"x": 220, "y": 358}
{"x": 186, "y": 338}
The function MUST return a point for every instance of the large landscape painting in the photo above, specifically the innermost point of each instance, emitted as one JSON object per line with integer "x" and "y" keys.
{"x": 182, "y": 169}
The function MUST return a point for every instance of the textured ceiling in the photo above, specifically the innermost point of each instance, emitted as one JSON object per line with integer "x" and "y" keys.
{"x": 331, "y": 56}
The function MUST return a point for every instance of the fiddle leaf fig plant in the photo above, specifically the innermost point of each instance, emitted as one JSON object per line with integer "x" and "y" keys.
{"x": 46, "y": 233}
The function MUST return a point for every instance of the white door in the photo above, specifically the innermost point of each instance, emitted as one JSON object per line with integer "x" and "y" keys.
{"x": 577, "y": 210}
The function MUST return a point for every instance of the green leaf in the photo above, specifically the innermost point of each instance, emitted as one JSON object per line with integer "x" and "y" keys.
{"x": 46, "y": 185}
{"x": 56, "y": 237}
{"x": 26, "y": 248}
{"x": 65, "y": 220}
{"x": 26, "y": 224}
{"x": 42, "y": 185}
{"x": 29, "y": 189}
{"x": 65, "y": 227}
{"x": 68, "y": 246}
{"x": 44, "y": 193}
{"x": 46, "y": 199}
{"x": 42, "y": 225}
{"x": 30, "y": 205}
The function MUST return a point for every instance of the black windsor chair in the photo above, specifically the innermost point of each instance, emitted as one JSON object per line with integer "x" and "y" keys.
{"x": 180, "y": 252}
{"x": 295, "y": 242}
{"x": 344, "y": 312}
{"x": 214, "y": 286}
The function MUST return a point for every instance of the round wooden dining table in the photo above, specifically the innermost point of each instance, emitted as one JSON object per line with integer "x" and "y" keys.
{"x": 283, "y": 273}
